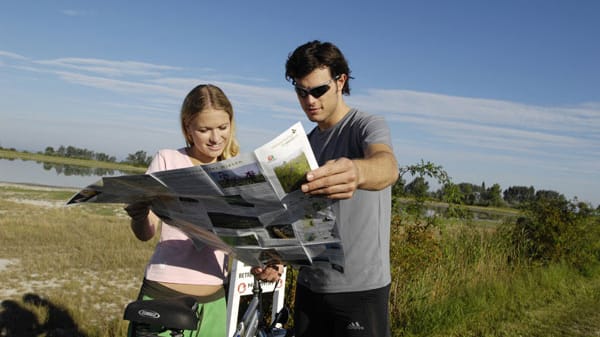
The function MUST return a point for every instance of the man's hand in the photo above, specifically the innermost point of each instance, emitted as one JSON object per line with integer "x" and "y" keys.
{"x": 270, "y": 273}
{"x": 340, "y": 178}
{"x": 337, "y": 179}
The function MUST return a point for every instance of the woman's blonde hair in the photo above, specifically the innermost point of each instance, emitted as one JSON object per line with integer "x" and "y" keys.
{"x": 206, "y": 96}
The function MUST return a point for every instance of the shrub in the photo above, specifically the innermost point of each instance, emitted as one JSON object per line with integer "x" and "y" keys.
{"x": 553, "y": 229}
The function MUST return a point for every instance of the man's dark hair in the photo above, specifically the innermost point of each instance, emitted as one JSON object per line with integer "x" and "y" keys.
{"x": 316, "y": 54}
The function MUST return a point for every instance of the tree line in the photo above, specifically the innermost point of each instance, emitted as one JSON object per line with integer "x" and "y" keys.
{"x": 465, "y": 193}
{"x": 139, "y": 158}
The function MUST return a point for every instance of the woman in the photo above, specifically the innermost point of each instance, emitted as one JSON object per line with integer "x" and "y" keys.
{"x": 178, "y": 268}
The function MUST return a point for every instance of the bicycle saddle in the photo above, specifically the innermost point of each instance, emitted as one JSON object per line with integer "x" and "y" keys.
{"x": 172, "y": 313}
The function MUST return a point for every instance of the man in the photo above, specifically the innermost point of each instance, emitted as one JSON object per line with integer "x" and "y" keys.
{"x": 357, "y": 168}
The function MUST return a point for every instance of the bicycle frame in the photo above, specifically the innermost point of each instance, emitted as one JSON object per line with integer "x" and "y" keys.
{"x": 178, "y": 314}
{"x": 253, "y": 323}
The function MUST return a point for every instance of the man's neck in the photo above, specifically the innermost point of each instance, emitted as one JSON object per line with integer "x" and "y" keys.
{"x": 341, "y": 111}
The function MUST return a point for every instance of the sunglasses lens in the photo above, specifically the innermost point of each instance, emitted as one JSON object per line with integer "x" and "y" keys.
{"x": 301, "y": 92}
{"x": 315, "y": 92}
{"x": 319, "y": 91}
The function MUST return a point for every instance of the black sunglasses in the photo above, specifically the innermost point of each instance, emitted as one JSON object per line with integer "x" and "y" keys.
{"x": 315, "y": 92}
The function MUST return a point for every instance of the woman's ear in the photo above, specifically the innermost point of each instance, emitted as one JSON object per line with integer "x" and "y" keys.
{"x": 188, "y": 138}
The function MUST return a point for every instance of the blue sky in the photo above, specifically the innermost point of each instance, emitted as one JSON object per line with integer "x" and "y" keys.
{"x": 503, "y": 92}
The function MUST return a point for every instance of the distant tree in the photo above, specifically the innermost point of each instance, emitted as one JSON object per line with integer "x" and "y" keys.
{"x": 517, "y": 195}
{"x": 75, "y": 152}
{"x": 105, "y": 157}
{"x": 420, "y": 170}
{"x": 80, "y": 153}
{"x": 470, "y": 193}
{"x": 417, "y": 188}
{"x": 71, "y": 151}
{"x": 583, "y": 208}
{"x": 480, "y": 195}
{"x": 62, "y": 151}
{"x": 140, "y": 158}
{"x": 548, "y": 194}
{"x": 493, "y": 196}
{"x": 451, "y": 193}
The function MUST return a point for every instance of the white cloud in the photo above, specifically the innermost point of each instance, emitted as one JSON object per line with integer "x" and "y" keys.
{"x": 481, "y": 111}
{"x": 11, "y": 55}
{"x": 120, "y": 86}
{"x": 491, "y": 124}
{"x": 108, "y": 67}
{"x": 73, "y": 12}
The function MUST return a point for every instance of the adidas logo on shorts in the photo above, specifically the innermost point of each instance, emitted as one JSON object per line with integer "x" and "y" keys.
{"x": 354, "y": 326}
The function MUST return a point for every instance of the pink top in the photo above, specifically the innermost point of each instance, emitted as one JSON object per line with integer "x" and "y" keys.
{"x": 175, "y": 258}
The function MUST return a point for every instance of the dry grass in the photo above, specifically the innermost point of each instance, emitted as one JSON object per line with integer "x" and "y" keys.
{"x": 81, "y": 261}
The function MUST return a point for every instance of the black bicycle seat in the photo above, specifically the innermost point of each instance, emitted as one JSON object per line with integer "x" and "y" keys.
{"x": 172, "y": 313}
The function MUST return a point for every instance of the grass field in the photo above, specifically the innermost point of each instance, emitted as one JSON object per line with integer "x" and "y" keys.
{"x": 82, "y": 260}
{"x": 71, "y": 270}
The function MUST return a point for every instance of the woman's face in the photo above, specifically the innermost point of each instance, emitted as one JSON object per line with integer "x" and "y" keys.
{"x": 210, "y": 132}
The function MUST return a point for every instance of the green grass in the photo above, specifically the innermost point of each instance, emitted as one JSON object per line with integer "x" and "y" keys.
{"x": 543, "y": 302}
{"x": 450, "y": 280}
{"x": 459, "y": 282}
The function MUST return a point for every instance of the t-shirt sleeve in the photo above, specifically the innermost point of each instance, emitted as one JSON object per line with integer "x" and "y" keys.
{"x": 157, "y": 164}
{"x": 376, "y": 131}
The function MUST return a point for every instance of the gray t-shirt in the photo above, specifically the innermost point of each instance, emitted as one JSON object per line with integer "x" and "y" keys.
{"x": 363, "y": 220}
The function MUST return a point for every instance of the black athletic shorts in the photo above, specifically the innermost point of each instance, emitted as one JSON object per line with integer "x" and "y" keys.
{"x": 362, "y": 313}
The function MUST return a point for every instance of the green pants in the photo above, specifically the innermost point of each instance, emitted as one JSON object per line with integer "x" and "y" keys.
{"x": 212, "y": 312}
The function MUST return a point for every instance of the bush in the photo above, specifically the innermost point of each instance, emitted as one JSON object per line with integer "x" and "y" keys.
{"x": 553, "y": 229}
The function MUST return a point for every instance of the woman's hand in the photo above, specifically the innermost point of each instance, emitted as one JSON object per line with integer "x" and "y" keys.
{"x": 143, "y": 222}
{"x": 138, "y": 211}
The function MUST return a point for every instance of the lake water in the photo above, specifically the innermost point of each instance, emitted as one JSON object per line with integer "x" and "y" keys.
{"x": 51, "y": 174}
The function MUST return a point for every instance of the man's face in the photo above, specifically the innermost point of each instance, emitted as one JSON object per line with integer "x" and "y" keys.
{"x": 323, "y": 109}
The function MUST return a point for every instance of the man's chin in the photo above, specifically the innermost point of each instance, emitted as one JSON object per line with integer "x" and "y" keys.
{"x": 313, "y": 117}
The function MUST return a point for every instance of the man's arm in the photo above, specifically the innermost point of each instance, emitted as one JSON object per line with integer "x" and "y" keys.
{"x": 339, "y": 178}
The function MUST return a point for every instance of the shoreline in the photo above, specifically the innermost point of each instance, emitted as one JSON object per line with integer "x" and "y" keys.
{"x": 38, "y": 186}
{"x": 42, "y": 202}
